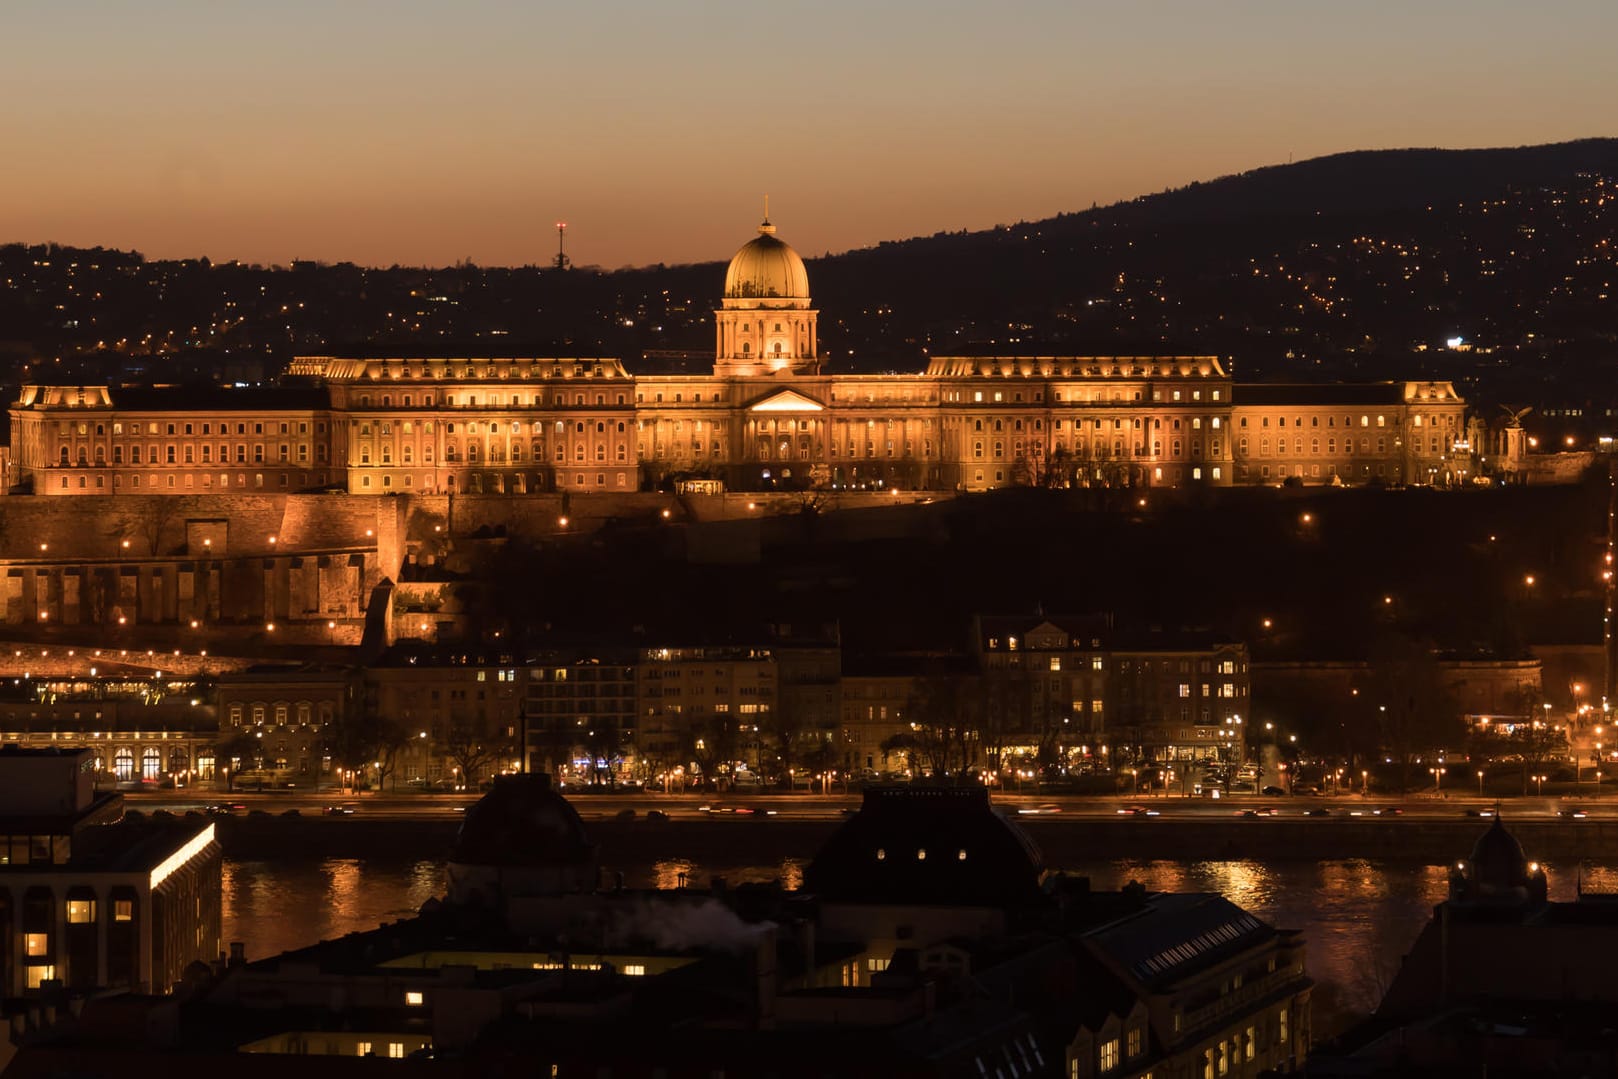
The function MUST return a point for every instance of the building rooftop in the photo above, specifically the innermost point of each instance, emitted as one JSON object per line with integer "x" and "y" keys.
{"x": 1172, "y": 935}
{"x": 930, "y": 846}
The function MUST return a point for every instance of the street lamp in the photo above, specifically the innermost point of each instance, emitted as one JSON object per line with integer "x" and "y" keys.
{"x": 1539, "y": 782}
{"x": 1438, "y": 778}
{"x": 1365, "y": 781}
{"x": 1480, "y": 783}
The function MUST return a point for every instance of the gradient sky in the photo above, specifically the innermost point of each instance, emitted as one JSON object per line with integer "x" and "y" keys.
{"x": 422, "y": 133}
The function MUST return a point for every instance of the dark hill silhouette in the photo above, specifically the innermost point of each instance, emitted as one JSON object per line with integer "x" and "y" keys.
{"x": 1349, "y": 266}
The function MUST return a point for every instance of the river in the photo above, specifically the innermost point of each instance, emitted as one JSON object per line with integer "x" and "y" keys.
{"x": 1358, "y": 916}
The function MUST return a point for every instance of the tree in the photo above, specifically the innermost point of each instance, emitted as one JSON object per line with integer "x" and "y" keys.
{"x": 470, "y": 750}
{"x": 1415, "y": 713}
{"x": 364, "y": 739}
{"x": 1534, "y": 741}
{"x": 710, "y": 741}
{"x": 148, "y": 521}
{"x": 944, "y": 726}
{"x": 233, "y": 750}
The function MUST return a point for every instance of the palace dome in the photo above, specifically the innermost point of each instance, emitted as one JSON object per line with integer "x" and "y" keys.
{"x": 766, "y": 269}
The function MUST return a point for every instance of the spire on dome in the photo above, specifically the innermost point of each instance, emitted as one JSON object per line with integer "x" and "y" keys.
{"x": 765, "y": 227}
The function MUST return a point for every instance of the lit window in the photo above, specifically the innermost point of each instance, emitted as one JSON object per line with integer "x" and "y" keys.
{"x": 123, "y": 910}
{"x": 81, "y": 911}
{"x": 363, "y": 1049}
{"x": 37, "y": 943}
{"x": 414, "y": 998}
{"x": 38, "y": 976}
{"x": 873, "y": 963}
{"x": 396, "y": 1050}
{"x": 635, "y": 970}
{"x": 1108, "y": 1057}
{"x": 1056, "y": 663}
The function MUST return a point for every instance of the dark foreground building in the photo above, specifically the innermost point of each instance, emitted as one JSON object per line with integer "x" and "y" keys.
{"x": 928, "y": 941}
{"x": 1502, "y": 982}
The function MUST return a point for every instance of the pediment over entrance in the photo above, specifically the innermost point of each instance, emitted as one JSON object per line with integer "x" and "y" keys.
{"x": 786, "y": 401}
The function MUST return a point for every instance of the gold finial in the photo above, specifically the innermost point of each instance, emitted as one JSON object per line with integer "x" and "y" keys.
{"x": 766, "y": 228}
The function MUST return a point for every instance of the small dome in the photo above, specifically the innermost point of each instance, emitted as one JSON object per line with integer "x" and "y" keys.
{"x": 522, "y": 822}
{"x": 765, "y": 269}
{"x": 1498, "y": 861}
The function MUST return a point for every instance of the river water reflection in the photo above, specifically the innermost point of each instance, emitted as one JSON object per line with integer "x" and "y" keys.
{"x": 1358, "y": 917}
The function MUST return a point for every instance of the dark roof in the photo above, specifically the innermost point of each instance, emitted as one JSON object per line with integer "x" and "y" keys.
{"x": 932, "y": 846}
{"x": 133, "y": 844}
{"x": 1082, "y": 629}
{"x": 1172, "y": 934}
{"x": 260, "y": 398}
{"x": 522, "y": 821}
{"x": 1287, "y": 394}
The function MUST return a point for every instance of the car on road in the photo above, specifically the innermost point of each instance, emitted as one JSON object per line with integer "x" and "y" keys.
{"x": 1272, "y": 791}
{"x": 1389, "y": 811}
{"x": 1265, "y": 811}
{"x": 624, "y": 814}
{"x": 291, "y": 813}
{"x": 1573, "y": 814}
{"x": 1040, "y": 810}
{"x": 1137, "y": 811}
{"x": 656, "y": 815}
{"x": 1317, "y": 812}
{"x": 343, "y": 810}
{"x": 226, "y": 809}
{"x": 1477, "y": 813}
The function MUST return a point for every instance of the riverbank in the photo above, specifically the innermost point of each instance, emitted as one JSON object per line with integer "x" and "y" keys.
{"x": 1063, "y": 842}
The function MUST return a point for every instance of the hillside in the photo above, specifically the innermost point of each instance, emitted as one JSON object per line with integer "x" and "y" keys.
{"x": 1355, "y": 265}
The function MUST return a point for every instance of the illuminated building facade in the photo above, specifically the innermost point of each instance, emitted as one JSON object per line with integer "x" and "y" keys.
{"x": 140, "y": 732}
{"x": 88, "y": 900}
{"x": 1074, "y": 688}
{"x": 767, "y": 416}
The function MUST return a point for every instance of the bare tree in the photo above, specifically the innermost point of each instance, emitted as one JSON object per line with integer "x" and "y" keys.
{"x": 470, "y": 751}
{"x": 233, "y": 751}
{"x": 148, "y": 522}
{"x": 1415, "y": 712}
{"x": 944, "y": 725}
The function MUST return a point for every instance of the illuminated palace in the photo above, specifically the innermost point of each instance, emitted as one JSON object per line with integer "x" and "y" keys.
{"x": 766, "y": 416}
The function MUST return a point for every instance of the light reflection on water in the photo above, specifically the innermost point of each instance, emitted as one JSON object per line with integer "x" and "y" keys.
{"x": 281, "y": 904}
{"x": 1358, "y": 917}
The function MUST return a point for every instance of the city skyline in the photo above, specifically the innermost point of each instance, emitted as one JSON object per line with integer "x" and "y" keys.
{"x": 405, "y": 135}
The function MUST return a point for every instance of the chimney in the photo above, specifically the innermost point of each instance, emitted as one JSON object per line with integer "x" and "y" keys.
{"x": 238, "y": 954}
{"x": 806, "y": 946}
{"x": 764, "y": 978}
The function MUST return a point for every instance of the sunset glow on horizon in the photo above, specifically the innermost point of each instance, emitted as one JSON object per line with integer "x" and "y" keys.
{"x": 417, "y": 133}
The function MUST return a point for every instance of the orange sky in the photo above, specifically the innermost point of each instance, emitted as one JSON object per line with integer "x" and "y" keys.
{"x": 382, "y": 131}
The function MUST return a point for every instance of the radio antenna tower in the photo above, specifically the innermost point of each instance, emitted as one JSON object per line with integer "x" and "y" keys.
{"x": 561, "y": 262}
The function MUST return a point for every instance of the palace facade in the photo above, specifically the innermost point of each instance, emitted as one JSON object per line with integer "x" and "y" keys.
{"x": 766, "y": 417}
